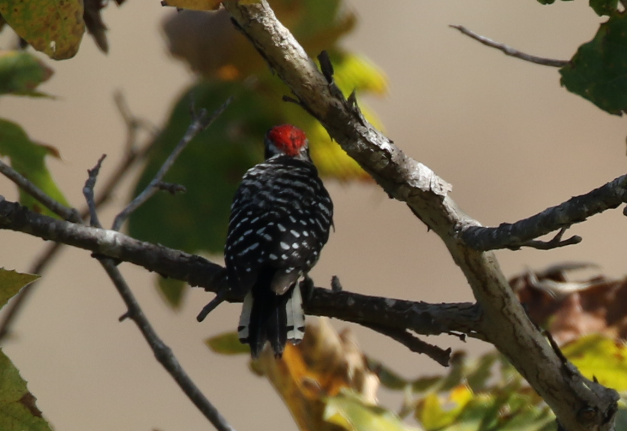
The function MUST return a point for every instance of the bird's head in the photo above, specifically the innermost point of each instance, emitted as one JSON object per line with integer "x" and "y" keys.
{"x": 286, "y": 140}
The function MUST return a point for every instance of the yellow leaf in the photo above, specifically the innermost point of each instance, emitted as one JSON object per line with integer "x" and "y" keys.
{"x": 461, "y": 395}
{"x": 352, "y": 413}
{"x": 54, "y": 27}
{"x": 431, "y": 413}
{"x": 330, "y": 159}
{"x": 321, "y": 366}
{"x": 601, "y": 357}
{"x": 356, "y": 72}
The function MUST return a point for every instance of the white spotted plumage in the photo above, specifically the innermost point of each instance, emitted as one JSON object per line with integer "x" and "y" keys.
{"x": 280, "y": 220}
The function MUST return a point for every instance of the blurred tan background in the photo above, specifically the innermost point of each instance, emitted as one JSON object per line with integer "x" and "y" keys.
{"x": 502, "y": 131}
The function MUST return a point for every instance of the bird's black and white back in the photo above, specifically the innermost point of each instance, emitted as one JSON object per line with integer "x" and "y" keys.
{"x": 280, "y": 220}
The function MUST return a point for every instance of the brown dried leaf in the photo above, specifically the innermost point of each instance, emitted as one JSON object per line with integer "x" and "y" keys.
{"x": 211, "y": 45}
{"x": 571, "y": 309}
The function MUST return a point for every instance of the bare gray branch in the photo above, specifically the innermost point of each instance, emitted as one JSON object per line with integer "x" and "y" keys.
{"x": 574, "y": 210}
{"x": 507, "y": 50}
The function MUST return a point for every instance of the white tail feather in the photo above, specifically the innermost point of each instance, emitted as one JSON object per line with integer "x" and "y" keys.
{"x": 295, "y": 317}
{"x": 244, "y": 318}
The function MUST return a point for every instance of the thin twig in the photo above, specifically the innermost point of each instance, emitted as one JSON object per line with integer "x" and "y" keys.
{"x": 415, "y": 344}
{"x": 88, "y": 192}
{"x": 219, "y": 299}
{"x": 507, "y": 50}
{"x": 23, "y": 183}
{"x": 131, "y": 156}
{"x": 171, "y": 188}
{"x": 555, "y": 242}
{"x": 336, "y": 285}
{"x": 199, "y": 123}
{"x": 133, "y": 123}
{"x": 162, "y": 352}
{"x": 575, "y": 210}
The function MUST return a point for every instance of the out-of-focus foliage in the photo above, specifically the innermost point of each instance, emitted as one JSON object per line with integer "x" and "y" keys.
{"x": 604, "y": 7}
{"x": 94, "y": 23}
{"x": 21, "y": 73}
{"x": 56, "y": 27}
{"x": 352, "y": 413}
{"x": 11, "y": 282}
{"x": 487, "y": 393}
{"x": 28, "y": 158}
{"x": 603, "y": 358}
{"x": 18, "y": 411}
{"x": 171, "y": 291}
{"x": 325, "y": 381}
{"x": 570, "y": 309}
{"x": 328, "y": 383}
{"x": 50, "y": 26}
{"x": 18, "y": 408}
{"x": 210, "y": 168}
{"x": 193, "y": 4}
{"x": 227, "y": 344}
{"x": 214, "y": 162}
{"x": 598, "y": 71}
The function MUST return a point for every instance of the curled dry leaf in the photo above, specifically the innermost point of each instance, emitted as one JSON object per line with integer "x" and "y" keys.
{"x": 571, "y": 309}
{"x": 323, "y": 364}
{"x": 211, "y": 45}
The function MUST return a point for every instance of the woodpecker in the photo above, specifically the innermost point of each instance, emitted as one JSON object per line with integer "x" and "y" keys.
{"x": 280, "y": 220}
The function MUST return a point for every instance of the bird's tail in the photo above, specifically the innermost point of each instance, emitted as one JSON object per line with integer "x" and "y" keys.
{"x": 267, "y": 316}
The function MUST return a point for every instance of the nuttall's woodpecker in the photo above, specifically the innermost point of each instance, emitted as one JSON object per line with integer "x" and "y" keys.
{"x": 280, "y": 220}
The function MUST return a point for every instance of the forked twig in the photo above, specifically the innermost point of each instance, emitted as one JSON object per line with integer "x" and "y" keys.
{"x": 200, "y": 122}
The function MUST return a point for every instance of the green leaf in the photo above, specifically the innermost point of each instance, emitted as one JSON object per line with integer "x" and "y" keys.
{"x": 503, "y": 408}
{"x": 598, "y": 71}
{"x": 211, "y": 168}
{"x": 480, "y": 371}
{"x": 54, "y": 27}
{"x": 601, "y": 357}
{"x": 28, "y": 158}
{"x": 11, "y": 282}
{"x": 18, "y": 411}
{"x": 21, "y": 72}
{"x": 604, "y": 7}
{"x": 387, "y": 377}
{"x": 227, "y": 344}
{"x": 621, "y": 417}
{"x": 171, "y": 290}
{"x": 432, "y": 414}
{"x": 349, "y": 411}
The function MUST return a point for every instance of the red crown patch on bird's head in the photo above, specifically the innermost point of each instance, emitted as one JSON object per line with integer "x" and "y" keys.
{"x": 285, "y": 140}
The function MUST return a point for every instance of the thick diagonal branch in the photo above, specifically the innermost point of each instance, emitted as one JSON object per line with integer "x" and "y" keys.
{"x": 504, "y": 321}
